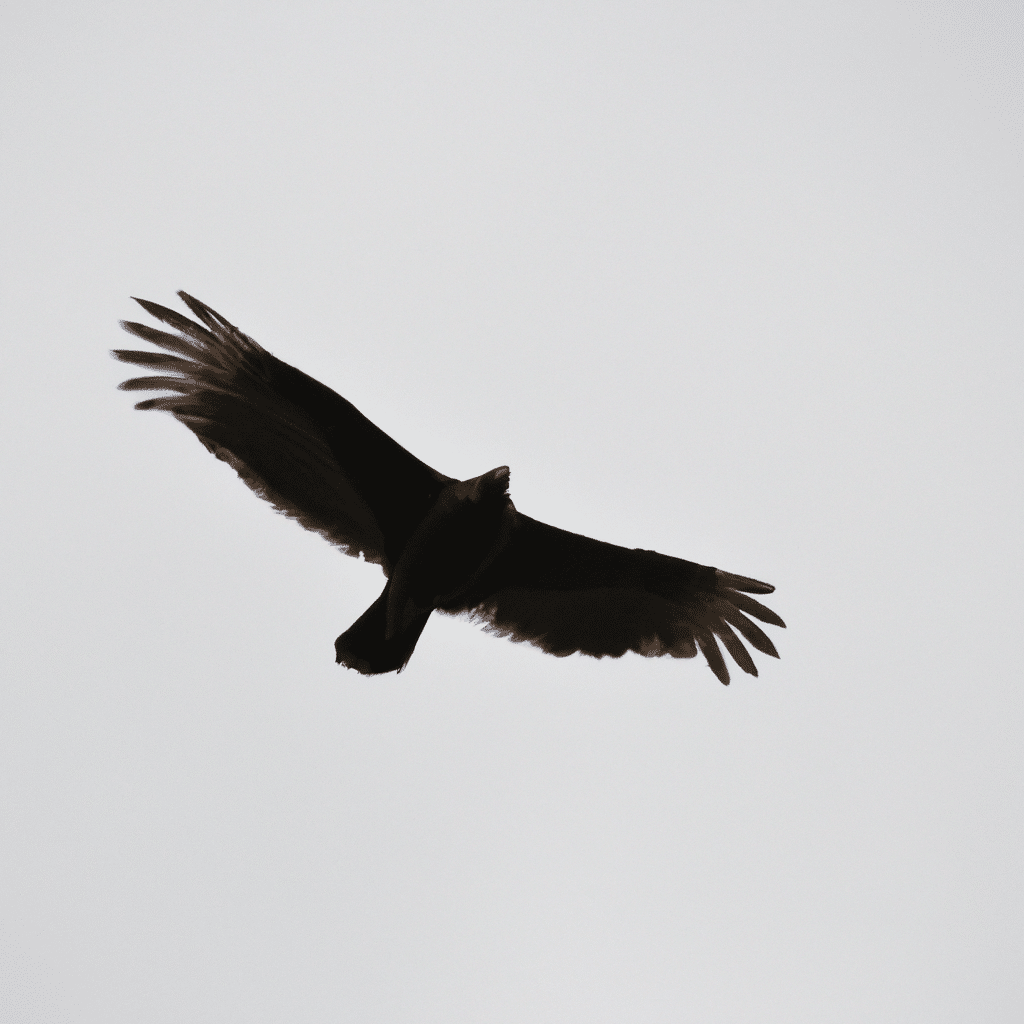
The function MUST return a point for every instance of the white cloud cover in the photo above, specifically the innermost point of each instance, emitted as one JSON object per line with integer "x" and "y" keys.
{"x": 740, "y": 283}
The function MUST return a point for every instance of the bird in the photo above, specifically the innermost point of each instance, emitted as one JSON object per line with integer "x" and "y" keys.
{"x": 459, "y": 547}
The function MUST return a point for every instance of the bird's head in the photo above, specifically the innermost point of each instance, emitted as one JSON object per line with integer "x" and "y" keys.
{"x": 493, "y": 484}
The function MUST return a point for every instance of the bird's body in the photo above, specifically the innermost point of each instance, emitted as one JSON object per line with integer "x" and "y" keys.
{"x": 455, "y": 546}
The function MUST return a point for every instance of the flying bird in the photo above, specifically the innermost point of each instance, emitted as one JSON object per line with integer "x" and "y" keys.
{"x": 455, "y": 546}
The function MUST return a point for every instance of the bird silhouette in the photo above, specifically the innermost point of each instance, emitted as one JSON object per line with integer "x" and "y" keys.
{"x": 455, "y": 546}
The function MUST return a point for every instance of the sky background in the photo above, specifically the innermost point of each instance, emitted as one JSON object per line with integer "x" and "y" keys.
{"x": 740, "y": 282}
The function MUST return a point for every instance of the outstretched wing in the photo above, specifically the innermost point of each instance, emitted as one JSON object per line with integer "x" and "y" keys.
{"x": 295, "y": 442}
{"x": 566, "y": 593}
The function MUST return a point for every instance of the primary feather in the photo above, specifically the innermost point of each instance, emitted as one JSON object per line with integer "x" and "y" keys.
{"x": 460, "y": 547}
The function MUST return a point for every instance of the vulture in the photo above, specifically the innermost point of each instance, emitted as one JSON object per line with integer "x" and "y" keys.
{"x": 455, "y": 546}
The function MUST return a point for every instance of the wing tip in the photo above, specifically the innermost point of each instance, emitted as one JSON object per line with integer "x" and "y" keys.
{"x": 210, "y": 317}
{"x": 747, "y": 584}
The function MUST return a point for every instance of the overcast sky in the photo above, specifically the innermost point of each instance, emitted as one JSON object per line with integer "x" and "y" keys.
{"x": 740, "y": 282}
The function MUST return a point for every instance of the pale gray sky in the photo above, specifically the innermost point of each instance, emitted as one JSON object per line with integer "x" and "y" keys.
{"x": 738, "y": 282}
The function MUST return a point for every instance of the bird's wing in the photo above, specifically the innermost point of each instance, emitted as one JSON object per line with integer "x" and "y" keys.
{"x": 566, "y": 593}
{"x": 295, "y": 442}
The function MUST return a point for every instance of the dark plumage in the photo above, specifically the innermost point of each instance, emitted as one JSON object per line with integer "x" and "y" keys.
{"x": 456, "y": 546}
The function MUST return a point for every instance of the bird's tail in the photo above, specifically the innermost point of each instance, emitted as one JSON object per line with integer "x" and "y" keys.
{"x": 365, "y": 646}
